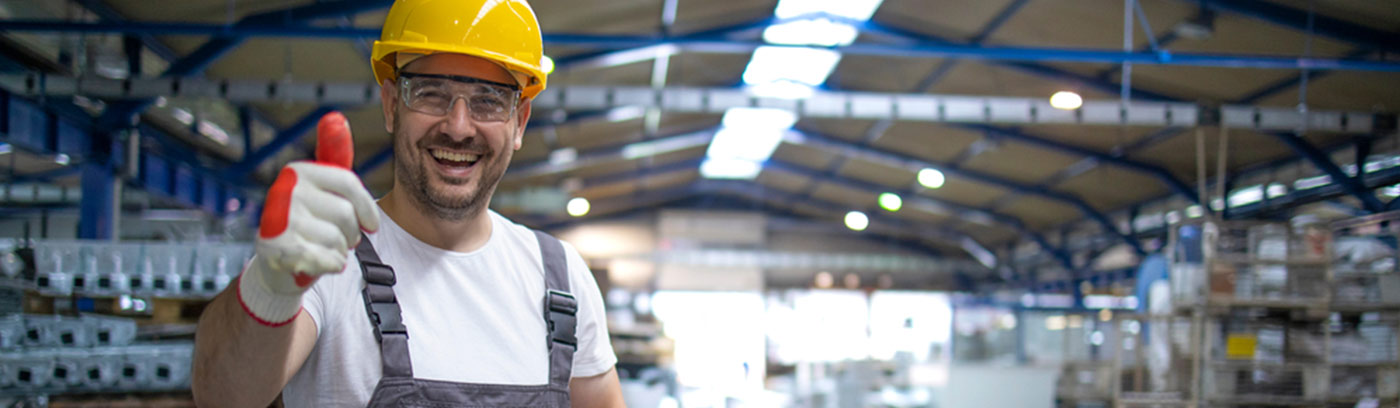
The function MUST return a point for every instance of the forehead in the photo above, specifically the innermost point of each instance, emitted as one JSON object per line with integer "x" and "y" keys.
{"x": 461, "y": 65}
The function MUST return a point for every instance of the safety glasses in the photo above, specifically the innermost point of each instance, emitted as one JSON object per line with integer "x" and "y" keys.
{"x": 434, "y": 94}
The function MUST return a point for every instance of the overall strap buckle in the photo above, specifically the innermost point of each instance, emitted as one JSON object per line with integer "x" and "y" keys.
{"x": 561, "y": 316}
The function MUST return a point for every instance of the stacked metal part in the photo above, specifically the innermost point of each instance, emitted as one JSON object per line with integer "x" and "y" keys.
{"x": 44, "y": 354}
{"x": 168, "y": 270}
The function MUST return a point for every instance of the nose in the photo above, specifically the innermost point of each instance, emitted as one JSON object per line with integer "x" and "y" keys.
{"x": 459, "y": 119}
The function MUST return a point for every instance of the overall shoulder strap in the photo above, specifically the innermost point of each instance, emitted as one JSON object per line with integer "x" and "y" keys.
{"x": 383, "y": 309}
{"x": 560, "y": 311}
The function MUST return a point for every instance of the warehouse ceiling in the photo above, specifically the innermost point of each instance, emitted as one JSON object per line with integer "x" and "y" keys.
{"x": 1032, "y": 186}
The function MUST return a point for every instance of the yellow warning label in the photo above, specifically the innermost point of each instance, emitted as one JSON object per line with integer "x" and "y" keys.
{"x": 1240, "y": 346}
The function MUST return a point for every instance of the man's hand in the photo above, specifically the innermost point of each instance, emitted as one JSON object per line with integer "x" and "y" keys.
{"x": 312, "y": 217}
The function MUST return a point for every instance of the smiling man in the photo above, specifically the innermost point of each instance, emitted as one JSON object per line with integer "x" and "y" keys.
{"x": 425, "y": 297}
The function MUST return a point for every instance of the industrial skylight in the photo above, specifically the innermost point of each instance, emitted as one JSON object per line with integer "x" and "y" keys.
{"x": 747, "y": 138}
{"x": 808, "y": 66}
{"x": 729, "y": 169}
{"x": 818, "y": 31}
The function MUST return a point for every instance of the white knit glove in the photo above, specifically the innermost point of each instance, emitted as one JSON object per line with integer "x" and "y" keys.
{"x": 312, "y": 217}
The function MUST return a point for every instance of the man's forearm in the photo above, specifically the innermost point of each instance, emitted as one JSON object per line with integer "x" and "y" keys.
{"x": 242, "y": 363}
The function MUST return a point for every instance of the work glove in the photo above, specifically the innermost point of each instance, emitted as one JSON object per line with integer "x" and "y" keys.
{"x": 313, "y": 216}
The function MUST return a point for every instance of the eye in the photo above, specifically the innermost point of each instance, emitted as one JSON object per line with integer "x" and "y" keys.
{"x": 433, "y": 95}
{"x": 488, "y": 103}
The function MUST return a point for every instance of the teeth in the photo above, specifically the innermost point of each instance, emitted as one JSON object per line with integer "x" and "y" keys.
{"x": 456, "y": 157}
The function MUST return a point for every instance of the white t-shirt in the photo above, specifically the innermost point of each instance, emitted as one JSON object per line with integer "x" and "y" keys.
{"x": 473, "y": 317}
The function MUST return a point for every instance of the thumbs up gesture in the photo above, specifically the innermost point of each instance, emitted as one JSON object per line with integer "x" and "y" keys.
{"x": 313, "y": 216}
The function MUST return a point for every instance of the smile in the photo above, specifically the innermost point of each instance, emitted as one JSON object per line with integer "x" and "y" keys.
{"x": 454, "y": 158}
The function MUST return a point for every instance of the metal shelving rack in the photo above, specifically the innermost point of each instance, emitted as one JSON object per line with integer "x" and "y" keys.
{"x": 1288, "y": 288}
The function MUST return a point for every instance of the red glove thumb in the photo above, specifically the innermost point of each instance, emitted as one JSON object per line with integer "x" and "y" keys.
{"x": 333, "y": 143}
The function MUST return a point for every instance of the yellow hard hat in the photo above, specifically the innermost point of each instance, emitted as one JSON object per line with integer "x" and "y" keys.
{"x": 503, "y": 31}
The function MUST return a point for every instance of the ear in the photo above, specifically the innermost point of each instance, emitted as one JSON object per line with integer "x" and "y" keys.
{"x": 523, "y": 117}
{"x": 389, "y": 98}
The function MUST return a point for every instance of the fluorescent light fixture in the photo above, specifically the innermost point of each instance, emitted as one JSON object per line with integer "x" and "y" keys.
{"x": 666, "y": 145}
{"x": 808, "y": 66}
{"x": 213, "y": 132}
{"x": 546, "y": 64}
{"x": 857, "y": 221}
{"x": 783, "y": 89}
{"x": 759, "y": 118}
{"x": 61, "y": 159}
{"x": 626, "y": 113}
{"x": 5, "y": 148}
{"x": 565, "y": 156}
{"x": 931, "y": 178}
{"x": 633, "y": 56}
{"x": 578, "y": 206}
{"x": 755, "y": 145}
{"x": 818, "y": 31}
{"x": 1066, "y": 100}
{"x": 852, "y": 9}
{"x": 1247, "y": 195}
{"x": 1194, "y": 211}
{"x": 1173, "y": 217}
{"x": 891, "y": 202}
{"x": 736, "y": 169}
{"x": 1312, "y": 182}
{"x": 1276, "y": 190}
{"x": 1391, "y": 191}
{"x": 183, "y": 116}
{"x": 1217, "y": 204}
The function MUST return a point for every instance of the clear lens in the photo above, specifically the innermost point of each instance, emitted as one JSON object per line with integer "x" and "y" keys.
{"x": 435, "y": 96}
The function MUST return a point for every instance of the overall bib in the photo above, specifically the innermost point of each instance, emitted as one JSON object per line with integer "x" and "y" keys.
{"x": 398, "y": 388}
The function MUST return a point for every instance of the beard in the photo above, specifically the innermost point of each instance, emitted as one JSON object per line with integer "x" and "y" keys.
{"x": 413, "y": 170}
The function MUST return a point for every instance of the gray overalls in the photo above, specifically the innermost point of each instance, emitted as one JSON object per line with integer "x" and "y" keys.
{"x": 398, "y": 388}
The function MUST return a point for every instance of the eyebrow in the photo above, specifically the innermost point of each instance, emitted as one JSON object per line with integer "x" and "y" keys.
{"x": 459, "y": 78}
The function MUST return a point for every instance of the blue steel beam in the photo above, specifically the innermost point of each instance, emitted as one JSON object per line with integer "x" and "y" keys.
{"x": 760, "y": 193}
{"x": 106, "y": 13}
{"x": 914, "y": 196}
{"x": 285, "y": 137}
{"x": 1290, "y": 82}
{"x": 1352, "y": 186}
{"x": 708, "y": 190}
{"x": 888, "y": 156}
{"x": 1162, "y": 174}
{"x": 120, "y": 115}
{"x": 997, "y": 21}
{"x": 375, "y": 160}
{"x": 1329, "y": 27}
{"x": 922, "y": 49}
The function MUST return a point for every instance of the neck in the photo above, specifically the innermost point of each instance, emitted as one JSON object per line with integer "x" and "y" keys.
{"x": 464, "y": 235}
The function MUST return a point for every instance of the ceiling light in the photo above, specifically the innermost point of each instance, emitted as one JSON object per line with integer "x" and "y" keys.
{"x": 5, "y": 148}
{"x": 857, "y": 221}
{"x": 729, "y": 169}
{"x": 61, "y": 159}
{"x": 931, "y": 178}
{"x": 853, "y": 9}
{"x": 808, "y": 66}
{"x": 818, "y": 31}
{"x": 891, "y": 202}
{"x": 1066, "y": 100}
{"x": 578, "y": 206}
{"x": 546, "y": 64}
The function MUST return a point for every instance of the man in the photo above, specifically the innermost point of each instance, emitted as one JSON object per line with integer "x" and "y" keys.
{"x": 471, "y": 309}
